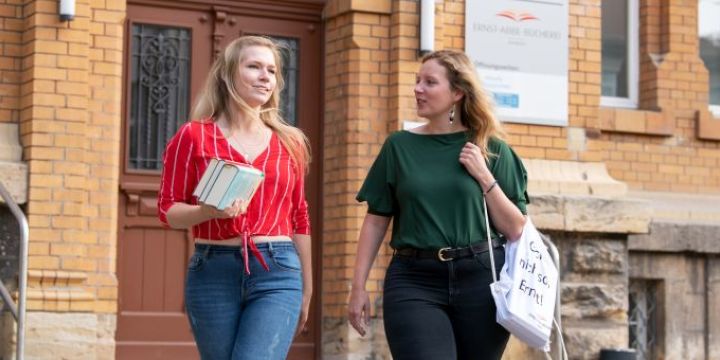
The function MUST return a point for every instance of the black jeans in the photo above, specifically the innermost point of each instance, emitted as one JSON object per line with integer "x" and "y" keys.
{"x": 437, "y": 310}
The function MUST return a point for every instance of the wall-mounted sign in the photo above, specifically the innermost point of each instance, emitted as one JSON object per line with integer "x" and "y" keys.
{"x": 520, "y": 50}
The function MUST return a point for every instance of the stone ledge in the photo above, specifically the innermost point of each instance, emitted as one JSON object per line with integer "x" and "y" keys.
{"x": 571, "y": 178}
{"x": 58, "y": 291}
{"x": 589, "y": 214}
{"x": 677, "y": 237}
{"x": 682, "y": 207}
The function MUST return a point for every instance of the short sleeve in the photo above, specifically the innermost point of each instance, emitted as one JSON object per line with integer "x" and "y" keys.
{"x": 177, "y": 179}
{"x": 378, "y": 188}
{"x": 510, "y": 174}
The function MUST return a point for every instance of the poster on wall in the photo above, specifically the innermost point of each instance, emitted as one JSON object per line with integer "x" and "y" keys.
{"x": 520, "y": 50}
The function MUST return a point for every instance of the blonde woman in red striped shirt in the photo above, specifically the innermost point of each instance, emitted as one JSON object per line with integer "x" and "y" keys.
{"x": 249, "y": 282}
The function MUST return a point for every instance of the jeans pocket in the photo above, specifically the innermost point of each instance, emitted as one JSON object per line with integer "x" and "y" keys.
{"x": 286, "y": 259}
{"x": 196, "y": 261}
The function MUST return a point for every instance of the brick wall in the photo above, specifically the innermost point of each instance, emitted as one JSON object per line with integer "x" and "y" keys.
{"x": 356, "y": 92}
{"x": 11, "y": 26}
{"x": 70, "y": 116}
{"x": 669, "y": 144}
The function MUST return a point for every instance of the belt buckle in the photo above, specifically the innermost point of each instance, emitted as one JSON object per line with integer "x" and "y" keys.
{"x": 441, "y": 256}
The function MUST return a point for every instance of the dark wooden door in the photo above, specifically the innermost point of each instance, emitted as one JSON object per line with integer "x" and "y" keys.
{"x": 168, "y": 54}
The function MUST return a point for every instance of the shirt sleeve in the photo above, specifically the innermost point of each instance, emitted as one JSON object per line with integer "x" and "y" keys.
{"x": 378, "y": 190}
{"x": 301, "y": 218}
{"x": 178, "y": 176}
{"x": 510, "y": 174}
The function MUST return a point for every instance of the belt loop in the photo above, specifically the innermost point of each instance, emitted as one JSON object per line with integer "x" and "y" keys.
{"x": 206, "y": 252}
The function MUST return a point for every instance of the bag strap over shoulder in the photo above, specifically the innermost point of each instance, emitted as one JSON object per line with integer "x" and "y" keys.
{"x": 489, "y": 240}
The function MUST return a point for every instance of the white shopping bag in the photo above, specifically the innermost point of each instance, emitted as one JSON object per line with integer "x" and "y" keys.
{"x": 526, "y": 291}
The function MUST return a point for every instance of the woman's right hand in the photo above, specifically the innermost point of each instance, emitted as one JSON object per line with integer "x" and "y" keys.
{"x": 236, "y": 208}
{"x": 359, "y": 310}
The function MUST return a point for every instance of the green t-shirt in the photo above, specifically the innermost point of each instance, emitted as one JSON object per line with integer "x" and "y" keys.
{"x": 418, "y": 180}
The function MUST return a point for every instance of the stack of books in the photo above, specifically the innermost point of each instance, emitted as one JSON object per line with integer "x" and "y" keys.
{"x": 225, "y": 181}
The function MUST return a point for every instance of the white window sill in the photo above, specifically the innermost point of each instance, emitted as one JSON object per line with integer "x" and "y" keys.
{"x": 618, "y": 102}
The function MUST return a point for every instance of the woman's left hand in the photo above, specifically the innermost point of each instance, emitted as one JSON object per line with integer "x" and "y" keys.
{"x": 472, "y": 158}
{"x": 304, "y": 311}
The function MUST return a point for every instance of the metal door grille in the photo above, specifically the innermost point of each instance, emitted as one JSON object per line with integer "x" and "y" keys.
{"x": 642, "y": 316}
{"x": 159, "y": 99}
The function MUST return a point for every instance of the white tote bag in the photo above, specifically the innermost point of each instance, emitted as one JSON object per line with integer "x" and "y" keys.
{"x": 526, "y": 291}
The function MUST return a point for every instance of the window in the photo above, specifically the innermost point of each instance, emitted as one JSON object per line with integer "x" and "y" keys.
{"x": 643, "y": 317}
{"x": 160, "y": 91}
{"x": 709, "y": 33}
{"x": 620, "y": 65}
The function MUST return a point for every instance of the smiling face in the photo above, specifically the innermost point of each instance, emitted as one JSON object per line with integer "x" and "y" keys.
{"x": 255, "y": 78}
{"x": 433, "y": 95}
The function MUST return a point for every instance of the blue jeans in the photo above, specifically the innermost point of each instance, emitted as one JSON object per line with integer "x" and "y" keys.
{"x": 437, "y": 310}
{"x": 239, "y": 316}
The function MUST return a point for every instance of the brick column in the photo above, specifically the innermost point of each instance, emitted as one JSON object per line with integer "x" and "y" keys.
{"x": 69, "y": 124}
{"x": 356, "y": 91}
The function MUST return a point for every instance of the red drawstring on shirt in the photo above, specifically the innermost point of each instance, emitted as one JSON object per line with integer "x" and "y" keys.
{"x": 248, "y": 242}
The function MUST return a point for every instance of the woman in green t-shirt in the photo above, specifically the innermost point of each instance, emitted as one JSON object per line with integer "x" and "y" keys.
{"x": 431, "y": 181}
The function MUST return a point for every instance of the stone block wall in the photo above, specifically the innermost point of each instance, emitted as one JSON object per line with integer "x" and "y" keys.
{"x": 681, "y": 261}
{"x": 594, "y": 292}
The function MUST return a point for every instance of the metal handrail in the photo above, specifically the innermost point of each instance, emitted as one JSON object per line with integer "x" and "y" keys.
{"x": 19, "y": 312}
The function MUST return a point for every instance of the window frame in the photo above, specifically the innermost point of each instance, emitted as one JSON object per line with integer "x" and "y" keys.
{"x": 633, "y": 47}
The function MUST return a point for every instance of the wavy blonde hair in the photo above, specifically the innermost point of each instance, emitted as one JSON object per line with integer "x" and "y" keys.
{"x": 219, "y": 94}
{"x": 476, "y": 110}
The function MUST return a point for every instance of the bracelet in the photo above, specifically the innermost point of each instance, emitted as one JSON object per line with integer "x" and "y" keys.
{"x": 492, "y": 186}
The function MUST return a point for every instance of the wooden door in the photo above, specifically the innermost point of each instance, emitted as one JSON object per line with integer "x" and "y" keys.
{"x": 168, "y": 54}
{"x": 301, "y": 107}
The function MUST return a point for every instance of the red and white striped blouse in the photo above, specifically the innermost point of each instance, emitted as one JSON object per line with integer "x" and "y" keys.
{"x": 278, "y": 207}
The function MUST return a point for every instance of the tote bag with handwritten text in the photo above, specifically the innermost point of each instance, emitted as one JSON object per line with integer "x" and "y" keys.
{"x": 526, "y": 291}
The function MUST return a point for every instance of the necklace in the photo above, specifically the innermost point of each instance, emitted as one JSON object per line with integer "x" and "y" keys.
{"x": 252, "y": 148}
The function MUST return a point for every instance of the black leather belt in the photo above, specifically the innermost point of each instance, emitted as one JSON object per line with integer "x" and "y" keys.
{"x": 448, "y": 253}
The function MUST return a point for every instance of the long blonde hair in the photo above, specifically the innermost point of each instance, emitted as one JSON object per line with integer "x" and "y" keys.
{"x": 219, "y": 94}
{"x": 475, "y": 108}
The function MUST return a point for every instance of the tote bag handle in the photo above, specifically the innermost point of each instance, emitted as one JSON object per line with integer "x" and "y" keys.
{"x": 490, "y": 247}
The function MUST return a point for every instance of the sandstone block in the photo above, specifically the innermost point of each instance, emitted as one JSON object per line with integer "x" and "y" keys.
{"x": 585, "y": 343}
{"x": 606, "y": 215}
{"x": 586, "y": 300}
{"x": 599, "y": 256}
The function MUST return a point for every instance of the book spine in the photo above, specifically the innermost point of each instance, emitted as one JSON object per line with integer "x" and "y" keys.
{"x": 211, "y": 181}
{"x": 200, "y": 187}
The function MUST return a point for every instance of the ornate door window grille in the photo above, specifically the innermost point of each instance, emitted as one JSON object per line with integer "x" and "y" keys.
{"x": 160, "y": 91}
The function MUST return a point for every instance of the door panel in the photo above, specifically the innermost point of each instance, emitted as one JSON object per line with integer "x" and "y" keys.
{"x": 167, "y": 56}
{"x": 303, "y": 38}
{"x": 162, "y": 42}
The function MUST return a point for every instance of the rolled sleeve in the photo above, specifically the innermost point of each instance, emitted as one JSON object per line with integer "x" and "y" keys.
{"x": 177, "y": 174}
{"x": 301, "y": 217}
